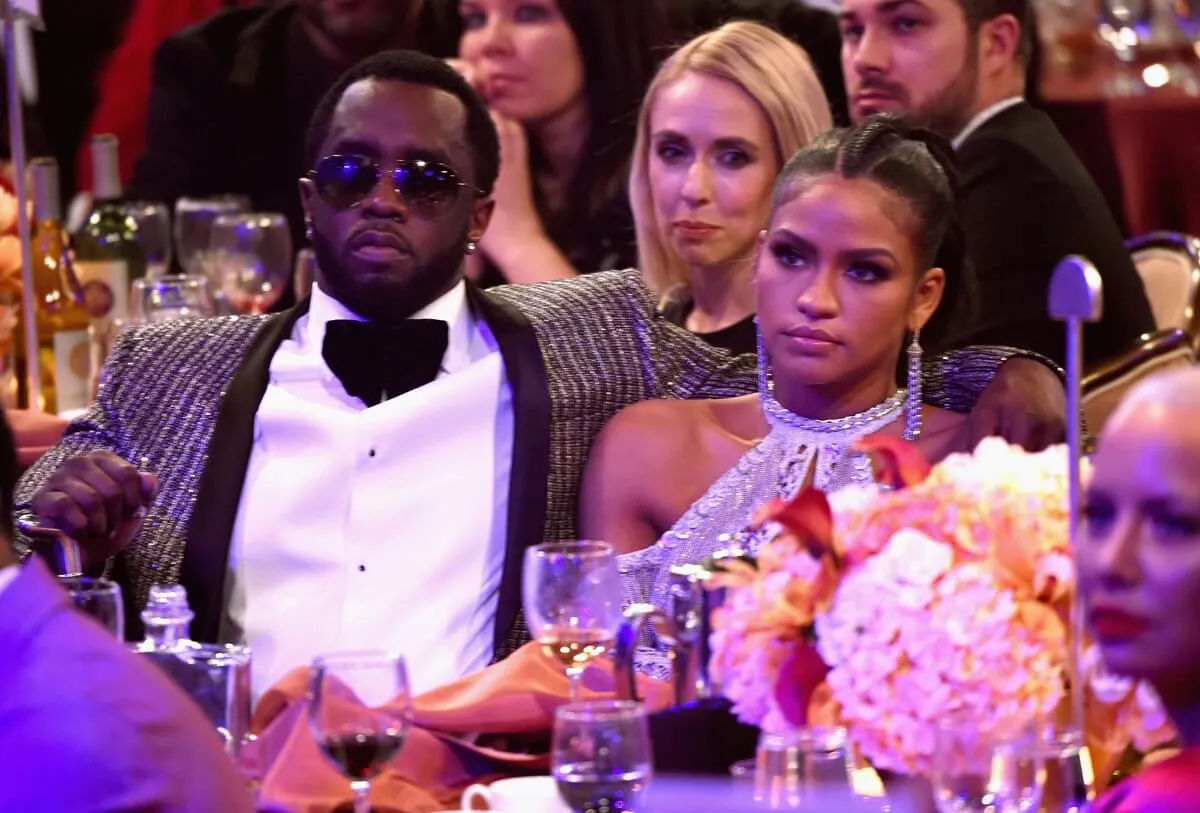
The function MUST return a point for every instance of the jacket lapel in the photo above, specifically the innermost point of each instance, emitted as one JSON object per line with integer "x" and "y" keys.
{"x": 526, "y": 372}
{"x": 206, "y": 554}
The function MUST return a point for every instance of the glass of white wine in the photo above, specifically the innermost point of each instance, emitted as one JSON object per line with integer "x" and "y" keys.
{"x": 572, "y": 598}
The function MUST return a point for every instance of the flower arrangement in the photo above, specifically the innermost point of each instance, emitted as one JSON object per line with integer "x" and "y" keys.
{"x": 886, "y": 611}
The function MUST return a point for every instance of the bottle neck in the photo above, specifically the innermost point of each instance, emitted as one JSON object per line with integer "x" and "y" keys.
{"x": 167, "y": 633}
{"x": 47, "y": 202}
{"x": 106, "y": 169}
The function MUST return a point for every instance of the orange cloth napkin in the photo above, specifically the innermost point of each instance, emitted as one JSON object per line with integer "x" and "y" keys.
{"x": 442, "y": 754}
{"x": 35, "y": 433}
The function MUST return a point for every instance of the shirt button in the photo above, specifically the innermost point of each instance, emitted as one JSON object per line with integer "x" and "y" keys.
{"x": 371, "y": 453}
{"x": 362, "y": 568}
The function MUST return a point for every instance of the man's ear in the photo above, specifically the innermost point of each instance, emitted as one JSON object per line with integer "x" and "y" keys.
{"x": 481, "y": 216}
{"x": 999, "y": 42}
{"x": 308, "y": 193}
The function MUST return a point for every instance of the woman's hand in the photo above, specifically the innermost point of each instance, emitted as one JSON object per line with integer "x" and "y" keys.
{"x": 1025, "y": 404}
{"x": 515, "y": 220}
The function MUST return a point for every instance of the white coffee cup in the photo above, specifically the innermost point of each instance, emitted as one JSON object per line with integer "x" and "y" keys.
{"x": 524, "y": 794}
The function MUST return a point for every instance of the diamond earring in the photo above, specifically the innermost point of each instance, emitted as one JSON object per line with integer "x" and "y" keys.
{"x": 472, "y": 247}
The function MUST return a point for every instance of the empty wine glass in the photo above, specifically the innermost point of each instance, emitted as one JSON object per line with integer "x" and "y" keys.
{"x": 171, "y": 297}
{"x": 360, "y": 712}
{"x": 154, "y": 234}
{"x": 601, "y": 757}
{"x": 572, "y": 599}
{"x": 98, "y": 598}
{"x": 193, "y": 228}
{"x": 251, "y": 256}
{"x": 982, "y": 770}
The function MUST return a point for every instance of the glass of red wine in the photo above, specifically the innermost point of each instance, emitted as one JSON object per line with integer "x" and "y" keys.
{"x": 600, "y": 757}
{"x": 360, "y": 712}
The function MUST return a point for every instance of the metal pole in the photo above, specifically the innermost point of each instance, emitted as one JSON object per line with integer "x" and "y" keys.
{"x": 16, "y": 135}
{"x": 1075, "y": 500}
{"x": 1076, "y": 298}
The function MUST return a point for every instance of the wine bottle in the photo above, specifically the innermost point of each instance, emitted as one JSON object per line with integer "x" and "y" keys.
{"x": 108, "y": 256}
{"x": 62, "y": 320}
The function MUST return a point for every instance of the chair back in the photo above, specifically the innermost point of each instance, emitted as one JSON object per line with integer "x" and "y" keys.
{"x": 1105, "y": 385}
{"x": 1169, "y": 265}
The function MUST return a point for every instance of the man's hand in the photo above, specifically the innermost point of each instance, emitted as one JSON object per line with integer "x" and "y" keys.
{"x": 1025, "y": 404}
{"x": 97, "y": 500}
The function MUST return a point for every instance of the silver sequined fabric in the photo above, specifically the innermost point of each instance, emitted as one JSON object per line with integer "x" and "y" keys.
{"x": 603, "y": 345}
{"x": 777, "y": 467}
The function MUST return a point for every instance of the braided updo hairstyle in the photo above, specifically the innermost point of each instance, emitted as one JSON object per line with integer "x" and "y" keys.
{"x": 917, "y": 166}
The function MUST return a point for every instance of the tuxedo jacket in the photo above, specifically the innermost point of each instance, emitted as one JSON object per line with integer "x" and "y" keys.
{"x": 100, "y": 728}
{"x": 179, "y": 399}
{"x": 1026, "y": 203}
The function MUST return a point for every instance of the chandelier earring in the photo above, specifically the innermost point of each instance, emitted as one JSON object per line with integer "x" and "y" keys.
{"x": 913, "y": 401}
{"x": 764, "y": 370}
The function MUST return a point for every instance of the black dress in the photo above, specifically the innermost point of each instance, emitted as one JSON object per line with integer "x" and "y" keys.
{"x": 740, "y": 337}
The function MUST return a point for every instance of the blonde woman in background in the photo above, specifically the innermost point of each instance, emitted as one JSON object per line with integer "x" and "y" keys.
{"x": 719, "y": 120}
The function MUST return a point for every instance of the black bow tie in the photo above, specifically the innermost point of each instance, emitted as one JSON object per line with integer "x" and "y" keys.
{"x": 376, "y": 362}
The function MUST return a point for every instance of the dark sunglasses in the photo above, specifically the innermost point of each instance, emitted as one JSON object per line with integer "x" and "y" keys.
{"x": 429, "y": 189}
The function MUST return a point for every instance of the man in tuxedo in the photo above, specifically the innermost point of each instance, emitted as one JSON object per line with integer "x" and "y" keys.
{"x": 959, "y": 67}
{"x": 230, "y": 98}
{"x": 367, "y": 469}
{"x": 85, "y": 724}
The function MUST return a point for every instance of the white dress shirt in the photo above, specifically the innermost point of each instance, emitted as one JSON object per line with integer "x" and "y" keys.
{"x": 983, "y": 117}
{"x": 376, "y": 527}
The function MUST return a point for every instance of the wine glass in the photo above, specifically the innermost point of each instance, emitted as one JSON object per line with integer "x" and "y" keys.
{"x": 171, "y": 297}
{"x": 356, "y": 732}
{"x": 982, "y": 769}
{"x": 193, "y": 228}
{"x": 1069, "y": 770}
{"x": 98, "y": 598}
{"x": 572, "y": 600}
{"x": 154, "y": 234}
{"x": 601, "y": 758}
{"x": 251, "y": 259}
{"x": 305, "y": 273}
{"x": 1125, "y": 25}
{"x": 788, "y": 766}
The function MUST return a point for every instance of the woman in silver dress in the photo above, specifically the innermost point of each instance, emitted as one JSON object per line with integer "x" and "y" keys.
{"x": 862, "y": 259}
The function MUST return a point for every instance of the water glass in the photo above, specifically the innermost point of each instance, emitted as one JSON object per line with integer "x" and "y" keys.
{"x": 98, "y": 598}
{"x": 790, "y": 766}
{"x": 1070, "y": 785}
{"x": 572, "y": 599}
{"x": 193, "y": 228}
{"x": 355, "y": 731}
{"x": 251, "y": 257}
{"x": 154, "y": 234}
{"x": 172, "y": 297}
{"x": 980, "y": 771}
{"x": 600, "y": 756}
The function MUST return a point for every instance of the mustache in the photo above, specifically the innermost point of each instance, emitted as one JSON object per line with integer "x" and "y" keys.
{"x": 877, "y": 85}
